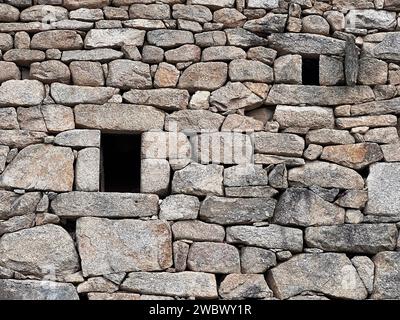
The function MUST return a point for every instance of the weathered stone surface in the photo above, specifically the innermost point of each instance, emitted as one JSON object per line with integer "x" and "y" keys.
{"x": 113, "y": 205}
{"x": 223, "y": 53}
{"x": 17, "y": 223}
{"x": 244, "y": 286}
{"x": 79, "y": 138}
{"x": 24, "y": 57}
{"x": 181, "y": 250}
{"x": 192, "y": 12}
{"x": 383, "y": 189}
{"x": 57, "y": 118}
{"x": 271, "y": 237}
{"x": 167, "y": 76}
{"x": 288, "y": 69}
{"x": 329, "y": 273}
{"x": 36, "y": 290}
{"x": 229, "y": 17}
{"x": 73, "y": 95}
{"x": 366, "y": 121}
{"x": 302, "y": 207}
{"x": 101, "y": 55}
{"x": 304, "y": 117}
{"x": 331, "y": 71}
{"x": 384, "y": 46}
{"x": 114, "y": 38}
{"x": 251, "y": 192}
{"x": 31, "y": 119}
{"x": 6, "y": 42}
{"x": 214, "y": 4}
{"x": 204, "y": 76}
{"x": 147, "y": 248}
{"x": 8, "y": 119}
{"x": 154, "y": 176}
{"x": 21, "y": 93}
{"x": 377, "y": 107}
{"x": 182, "y": 284}
{"x": 238, "y": 123}
{"x": 169, "y": 38}
{"x": 165, "y": 145}
{"x": 329, "y": 136}
{"x": 87, "y": 73}
{"x": 306, "y": 44}
{"x": 168, "y": 99}
{"x": 126, "y": 74}
{"x": 52, "y": 248}
{"x": 382, "y": 135}
{"x": 91, "y": 4}
{"x": 228, "y": 211}
{"x": 366, "y": 270}
{"x": 249, "y": 70}
{"x": 391, "y": 152}
{"x": 196, "y": 230}
{"x": 10, "y": 71}
{"x": 50, "y": 71}
{"x": 149, "y": 11}
{"x": 87, "y": 170}
{"x": 119, "y": 117}
{"x": 8, "y": 13}
{"x": 386, "y": 284}
{"x": 319, "y": 96}
{"x": 97, "y": 284}
{"x": 256, "y": 260}
{"x": 242, "y": 38}
{"x": 193, "y": 121}
{"x": 20, "y": 138}
{"x": 57, "y": 39}
{"x": 199, "y": 180}
{"x": 43, "y": 13}
{"x": 284, "y": 144}
{"x": 179, "y": 207}
{"x": 185, "y": 53}
{"x": 263, "y": 4}
{"x": 40, "y": 167}
{"x": 355, "y": 238}
{"x": 213, "y": 257}
{"x": 222, "y": 147}
{"x": 355, "y": 156}
{"x": 371, "y": 19}
{"x": 269, "y": 23}
{"x": 266, "y": 159}
{"x": 326, "y": 175}
{"x": 245, "y": 175}
{"x": 233, "y": 96}
{"x": 355, "y": 199}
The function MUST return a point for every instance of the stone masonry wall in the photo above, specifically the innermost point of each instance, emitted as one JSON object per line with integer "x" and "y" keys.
{"x": 270, "y": 154}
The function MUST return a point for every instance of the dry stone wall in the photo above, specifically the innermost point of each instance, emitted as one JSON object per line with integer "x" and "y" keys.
{"x": 270, "y": 154}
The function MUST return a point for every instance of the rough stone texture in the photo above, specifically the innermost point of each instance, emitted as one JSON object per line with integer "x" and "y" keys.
{"x": 169, "y": 99}
{"x": 196, "y": 230}
{"x": 21, "y": 93}
{"x": 302, "y": 207}
{"x": 87, "y": 170}
{"x": 329, "y": 273}
{"x": 179, "y": 207}
{"x": 244, "y": 286}
{"x": 386, "y": 284}
{"x": 40, "y": 167}
{"x": 41, "y": 251}
{"x": 121, "y": 205}
{"x": 278, "y": 144}
{"x": 354, "y": 238}
{"x": 307, "y": 117}
{"x": 204, "y": 76}
{"x": 147, "y": 248}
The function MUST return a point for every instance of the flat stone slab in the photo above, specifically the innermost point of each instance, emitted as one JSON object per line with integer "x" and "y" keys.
{"x": 112, "y": 246}
{"x": 36, "y": 290}
{"x": 181, "y": 284}
{"x": 104, "y": 204}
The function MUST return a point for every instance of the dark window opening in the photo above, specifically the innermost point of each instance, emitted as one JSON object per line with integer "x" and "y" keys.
{"x": 311, "y": 72}
{"x": 121, "y": 158}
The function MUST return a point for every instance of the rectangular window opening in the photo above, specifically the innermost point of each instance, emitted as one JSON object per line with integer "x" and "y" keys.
{"x": 121, "y": 158}
{"x": 311, "y": 72}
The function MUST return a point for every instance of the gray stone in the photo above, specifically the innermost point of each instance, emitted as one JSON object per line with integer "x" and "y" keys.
{"x": 355, "y": 199}
{"x": 383, "y": 189}
{"x": 371, "y": 19}
{"x": 126, "y": 117}
{"x": 192, "y": 12}
{"x": 87, "y": 170}
{"x": 181, "y": 250}
{"x": 329, "y": 273}
{"x": 168, "y": 99}
{"x": 8, "y": 13}
{"x": 51, "y": 254}
{"x": 167, "y": 75}
{"x": 366, "y": 270}
{"x": 4, "y": 150}
{"x": 228, "y": 211}
{"x": 288, "y": 69}
{"x": 391, "y": 152}
{"x": 40, "y": 167}
{"x": 149, "y": 11}
{"x": 387, "y": 278}
{"x": 355, "y": 156}
{"x": 204, "y": 76}
{"x": 101, "y": 55}
{"x": 185, "y": 53}
{"x": 97, "y": 284}
{"x": 113, "y": 205}
{"x": 225, "y": 53}
{"x": 10, "y": 71}
{"x": 79, "y": 138}
{"x": 57, "y": 118}
{"x": 238, "y": 123}
{"x": 304, "y": 117}
{"x": 244, "y": 39}
{"x": 196, "y": 230}
{"x": 245, "y": 175}
{"x": 50, "y": 71}
{"x": 329, "y": 136}
{"x": 127, "y": 74}
{"x": 8, "y": 119}
{"x": 319, "y": 96}
{"x": 382, "y": 135}
{"x": 57, "y": 39}
{"x": 193, "y": 121}
{"x": 302, "y": 207}
{"x": 31, "y": 119}
{"x": 213, "y": 258}
{"x": 366, "y": 121}
{"x": 284, "y": 144}
{"x": 244, "y": 286}
{"x": 44, "y": 13}
{"x": 91, "y": 4}
{"x": 6, "y": 42}
{"x": 179, "y": 207}
{"x": 270, "y": 237}
{"x": 331, "y": 71}
{"x": 249, "y": 70}
{"x": 326, "y": 175}
{"x": 36, "y": 290}
{"x": 372, "y": 71}
{"x": 87, "y": 73}
{"x": 182, "y": 284}
{"x": 73, "y": 95}
{"x": 154, "y": 176}
{"x": 270, "y": 159}
{"x": 353, "y": 238}
{"x": 199, "y": 180}
{"x": 251, "y": 192}
{"x": 210, "y": 39}
{"x": 269, "y": 23}
{"x": 21, "y": 93}
{"x": 17, "y": 223}
{"x": 263, "y": 4}
{"x": 213, "y": 4}
{"x": 229, "y": 17}
{"x": 315, "y": 24}
{"x": 169, "y": 38}
{"x": 114, "y": 38}
{"x": 256, "y": 260}
{"x": 24, "y": 57}
{"x": 137, "y": 245}
{"x": 20, "y": 138}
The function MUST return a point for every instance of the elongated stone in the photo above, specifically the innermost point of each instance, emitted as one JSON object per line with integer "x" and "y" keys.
{"x": 114, "y": 38}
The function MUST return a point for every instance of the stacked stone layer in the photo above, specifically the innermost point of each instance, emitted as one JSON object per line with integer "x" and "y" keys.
{"x": 255, "y": 184}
